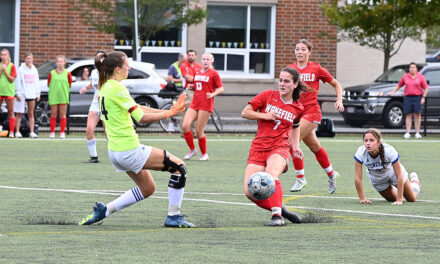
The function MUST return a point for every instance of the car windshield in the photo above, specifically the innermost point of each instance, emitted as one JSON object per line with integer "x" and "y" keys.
{"x": 394, "y": 74}
{"x": 45, "y": 68}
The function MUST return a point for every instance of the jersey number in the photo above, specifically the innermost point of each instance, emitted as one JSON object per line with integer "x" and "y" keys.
{"x": 277, "y": 124}
{"x": 199, "y": 86}
{"x": 103, "y": 111}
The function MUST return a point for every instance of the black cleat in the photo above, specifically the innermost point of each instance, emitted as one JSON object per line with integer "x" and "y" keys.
{"x": 93, "y": 160}
{"x": 291, "y": 216}
{"x": 276, "y": 221}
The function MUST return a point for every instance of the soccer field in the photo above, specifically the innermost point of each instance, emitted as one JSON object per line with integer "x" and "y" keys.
{"x": 46, "y": 188}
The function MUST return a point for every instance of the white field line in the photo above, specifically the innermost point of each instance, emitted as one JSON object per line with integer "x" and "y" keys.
{"x": 116, "y": 193}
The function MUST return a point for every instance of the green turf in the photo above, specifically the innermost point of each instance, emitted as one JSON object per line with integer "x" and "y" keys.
{"x": 39, "y": 226}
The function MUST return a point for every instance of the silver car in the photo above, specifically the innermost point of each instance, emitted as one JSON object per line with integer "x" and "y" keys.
{"x": 143, "y": 82}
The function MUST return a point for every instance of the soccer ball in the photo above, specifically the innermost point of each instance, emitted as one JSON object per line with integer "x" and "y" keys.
{"x": 261, "y": 185}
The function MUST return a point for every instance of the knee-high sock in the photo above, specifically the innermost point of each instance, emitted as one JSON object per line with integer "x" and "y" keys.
{"x": 63, "y": 122}
{"x": 53, "y": 124}
{"x": 323, "y": 160}
{"x": 202, "y": 144}
{"x": 189, "y": 138}
{"x": 415, "y": 186}
{"x": 91, "y": 144}
{"x": 275, "y": 202}
{"x": 175, "y": 197}
{"x": 12, "y": 125}
{"x": 128, "y": 198}
{"x": 298, "y": 164}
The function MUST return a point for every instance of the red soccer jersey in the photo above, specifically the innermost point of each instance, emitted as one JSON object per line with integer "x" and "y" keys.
{"x": 311, "y": 75}
{"x": 272, "y": 134}
{"x": 186, "y": 68}
{"x": 205, "y": 82}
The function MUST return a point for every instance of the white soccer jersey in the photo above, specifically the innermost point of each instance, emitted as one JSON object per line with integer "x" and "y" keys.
{"x": 377, "y": 172}
{"x": 94, "y": 78}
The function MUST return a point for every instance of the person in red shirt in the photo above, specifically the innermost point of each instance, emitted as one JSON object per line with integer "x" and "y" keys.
{"x": 416, "y": 89}
{"x": 188, "y": 70}
{"x": 278, "y": 114}
{"x": 207, "y": 85}
{"x": 311, "y": 74}
{"x": 8, "y": 73}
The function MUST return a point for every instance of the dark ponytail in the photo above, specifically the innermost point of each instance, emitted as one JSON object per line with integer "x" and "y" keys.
{"x": 106, "y": 64}
{"x": 378, "y": 136}
{"x": 302, "y": 87}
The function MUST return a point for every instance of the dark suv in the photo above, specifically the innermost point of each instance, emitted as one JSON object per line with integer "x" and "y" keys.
{"x": 370, "y": 101}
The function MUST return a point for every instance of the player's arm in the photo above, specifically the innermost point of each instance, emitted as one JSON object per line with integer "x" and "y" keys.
{"x": 218, "y": 91}
{"x": 400, "y": 183}
{"x": 250, "y": 114}
{"x": 294, "y": 142}
{"x": 358, "y": 182}
{"x": 338, "y": 89}
{"x": 150, "y": 115}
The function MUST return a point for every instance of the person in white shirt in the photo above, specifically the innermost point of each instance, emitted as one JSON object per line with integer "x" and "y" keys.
{"x": 384, "y": 170}
{"x": 94, "y": 114}
{"x": 28, "y": 91}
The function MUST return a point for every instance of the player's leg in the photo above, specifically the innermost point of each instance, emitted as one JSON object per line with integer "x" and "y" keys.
{"x": 190, "y": 117}
{"x": 164, "y": 161}
{"x": 411, "y": 188}
{"x": 202, "y": 121}
{"x": 17, "y": 124}
{"x": 31, "y": 118}
{"x": 53, "y": 119}
{"x": 11, "y": 115}
{"x": 92, "y": 121}
{"x": 63, "y": 119}
{"x": 390, "y": 193}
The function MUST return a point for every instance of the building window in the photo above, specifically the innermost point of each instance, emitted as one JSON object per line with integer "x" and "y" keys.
{"x": 8, "y": 34}
{"x": 241, "y": 38}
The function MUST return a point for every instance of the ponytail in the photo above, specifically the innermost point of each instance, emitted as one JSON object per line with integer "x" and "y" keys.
{"x": 378, "y": 136}
{"x": 106, "y": 64}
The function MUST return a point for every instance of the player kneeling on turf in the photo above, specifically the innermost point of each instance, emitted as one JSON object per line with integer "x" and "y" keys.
{"x": 126, "y": 153}
{"x": 384, "y": 171}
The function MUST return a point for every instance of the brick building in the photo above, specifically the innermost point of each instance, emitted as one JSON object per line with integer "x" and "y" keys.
{"x": 251, "y": 40}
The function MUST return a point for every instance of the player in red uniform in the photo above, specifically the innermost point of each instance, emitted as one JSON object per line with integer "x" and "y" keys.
{"x": 311, "y": 74}
{"x": 207, "y": 85}
{"x": 278, "y": 114}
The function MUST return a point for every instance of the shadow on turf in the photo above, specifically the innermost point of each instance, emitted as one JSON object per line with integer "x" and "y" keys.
{"x": 49, "y": 220}
{"x": 315, "y": 218}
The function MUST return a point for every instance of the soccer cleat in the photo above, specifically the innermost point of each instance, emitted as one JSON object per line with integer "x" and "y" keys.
{"x": 33, "y": 135}
{"x": 18, "y": 135}
{"x": 11, "y": 134}
{"x": 52, "y": 135}
{"x": 204, "y": 157}
{"x": 62, "y": 135}
{"x": 177, "y": 221}
{"x": 407, "y": 135}
{"x": 332, "y": 182}
{"x": 190, "y": 154}
{"x": 98, "y": 214}
{"x": 418, "y": 136}
{"x": 413, "y": 177}
{"x": 276, "y": 221}
{"x": 299, "y": 184}
{"x": 291, "y": 216}
{"x": 93, "y": 160}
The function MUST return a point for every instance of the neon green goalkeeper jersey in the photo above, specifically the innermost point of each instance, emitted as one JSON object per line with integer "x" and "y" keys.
{"x": 117, "y": 106}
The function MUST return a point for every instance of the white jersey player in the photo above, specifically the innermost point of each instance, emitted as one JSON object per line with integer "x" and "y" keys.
{"x": 384, "y": 171}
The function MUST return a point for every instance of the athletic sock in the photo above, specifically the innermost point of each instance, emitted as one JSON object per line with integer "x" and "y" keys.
{"x": 415, "y": 186}
{"x": 189, "y": 138}
{"x": 175, "y": 197}
{"x": 53, "y": 123}
{"x": 63, "y": 122}
{"x": 202, "y": 144}
{"x": 323, "y": 160}
{"x": 276, "y": 200}
{"x": 91, "y": 144}
{"x": 128, "y": 198}
{"x": 12, "y": 125}
{"x": 299, "y": 167}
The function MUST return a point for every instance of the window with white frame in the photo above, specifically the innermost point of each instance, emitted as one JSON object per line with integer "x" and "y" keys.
{"x": 241, "y": 38}
{"x": 8, "y": 21}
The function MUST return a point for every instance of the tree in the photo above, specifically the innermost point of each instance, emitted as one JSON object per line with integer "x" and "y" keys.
{"x": 382, "y": 24}
{"x": 153, "y": 16}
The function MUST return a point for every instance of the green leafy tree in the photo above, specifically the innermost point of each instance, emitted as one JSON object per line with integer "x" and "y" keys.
{"x": 153, "y": 16}
{"x": 382, "y": 24}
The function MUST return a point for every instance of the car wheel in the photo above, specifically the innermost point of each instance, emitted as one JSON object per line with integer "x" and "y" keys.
{"x": 393, "y": 116}
{"x": 356, "y": 123}
{"x": 42, "y": 112}
{"x": 148, "y": 102}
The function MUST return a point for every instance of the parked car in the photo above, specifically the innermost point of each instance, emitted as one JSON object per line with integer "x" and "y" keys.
{"x": 370, "y": 101}
{"x": 433, "y": 57}
{"x": 143, "y": 82}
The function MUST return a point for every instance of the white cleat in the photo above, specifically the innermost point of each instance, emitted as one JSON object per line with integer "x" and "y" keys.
{"x": 62, "y": 135}
{"x": 33, "y": 135}
{"x": 407, "y": 135}
{"x": 52, "y": 135}
{"x": 332, "y": 182}
{"x": 299, "y": 184}
{"x": 418, "y": 136}
{"x": 18, "y": 135}
{"x": 204, "y": 157}
{"x": 190, "y": 154}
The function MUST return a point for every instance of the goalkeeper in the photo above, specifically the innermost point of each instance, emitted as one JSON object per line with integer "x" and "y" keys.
{"x": 126, "y": 153}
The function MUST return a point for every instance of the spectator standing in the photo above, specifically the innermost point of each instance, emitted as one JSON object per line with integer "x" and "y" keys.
{"x": 8, "y": 73}
{"x": 416, "y": 89}
{"x": 175, "y": 74}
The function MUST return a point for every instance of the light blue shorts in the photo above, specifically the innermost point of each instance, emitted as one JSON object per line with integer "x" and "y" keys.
{"x": 130, "y": 160}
